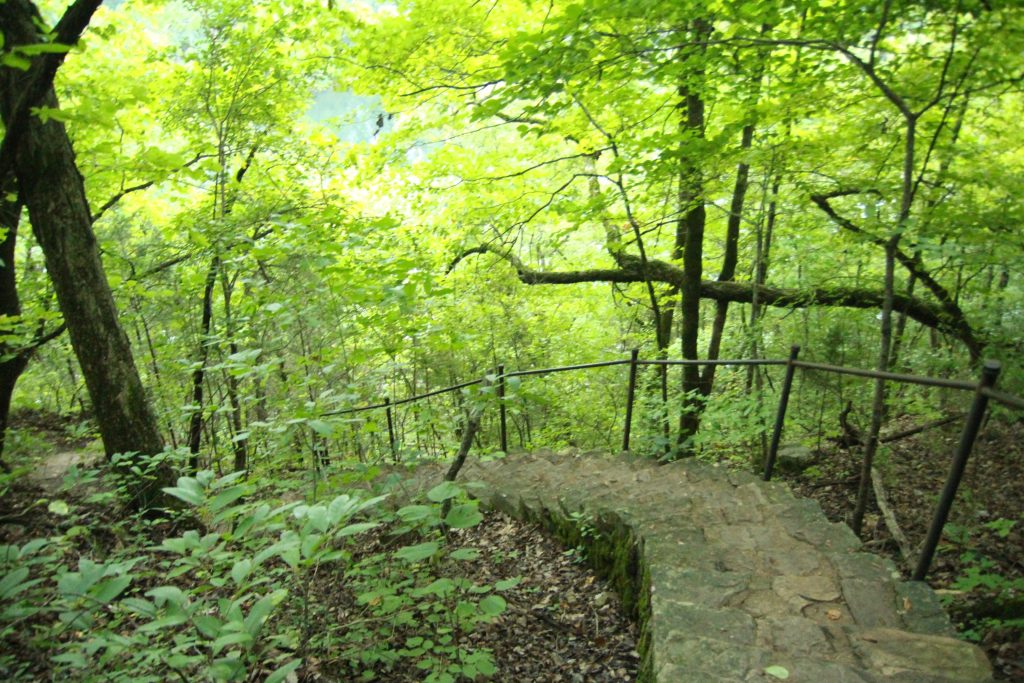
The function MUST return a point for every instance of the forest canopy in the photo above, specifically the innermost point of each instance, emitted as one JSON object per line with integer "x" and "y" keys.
{"x": 301, "y": 206}
{"x": 228, "y": 227}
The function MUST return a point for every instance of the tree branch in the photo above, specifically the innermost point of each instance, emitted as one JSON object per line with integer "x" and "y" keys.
{"x": 631, "y": 271}
{"x": 914, "y": 265}
{"x": 109, "y": 204}
{"x": 39, "y": 78}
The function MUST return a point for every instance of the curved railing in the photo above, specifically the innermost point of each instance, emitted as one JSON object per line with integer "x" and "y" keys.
{"x": 984, "y": 390}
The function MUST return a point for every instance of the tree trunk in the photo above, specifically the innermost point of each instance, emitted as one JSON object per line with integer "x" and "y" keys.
{"x": 195, "y": 421}
{"x": 51, "y": 187}
{"x": 728, "y": 272}
{"x": 690, "y": 232}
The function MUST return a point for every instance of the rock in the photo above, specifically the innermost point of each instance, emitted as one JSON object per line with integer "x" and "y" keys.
{"x": 794, "y": 459}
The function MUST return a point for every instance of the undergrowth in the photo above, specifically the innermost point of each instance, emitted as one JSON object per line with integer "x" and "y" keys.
{"x": 228, "y": 591}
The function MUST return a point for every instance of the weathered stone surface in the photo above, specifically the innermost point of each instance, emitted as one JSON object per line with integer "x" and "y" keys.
{"x": 871, "y": 604}
{"x": 729, "y": 575}
{"x": 794, "y": 458}
{"x": 892, "y": 653}
{"x": 921, "y": 610}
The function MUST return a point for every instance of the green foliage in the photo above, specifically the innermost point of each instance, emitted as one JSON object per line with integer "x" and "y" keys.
{"x": 235, "y": 598}
{"x": 982, "y": 579}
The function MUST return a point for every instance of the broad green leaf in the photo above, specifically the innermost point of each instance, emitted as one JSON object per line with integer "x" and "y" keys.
{"x": 414, "y": 513}
{"x": 361, "y": 527}
{"x": 259, "y": 613}
{"x": 13, "y": 583}
{"x": 229, "y": 639}
{"x": 463, "y": 554}
{"x": 188, "y": 490}
{"x": 241, "y": 570}
{"x": 444, "y": 491}
{"x": 493, "y": 605}
{"x": 776, "y": 671}
{"x": 463, "y": 516}
{"x": 322, "y": 428}
{"x": 58, "y": 507}
{"x": 105, "y": 591}
{"x": 417, "y": 553}
{"x": 505, "y": 584}
{"x": 167, "y": 594}
{"x": 282, "y": 673}
{"x": 226, "y": 497}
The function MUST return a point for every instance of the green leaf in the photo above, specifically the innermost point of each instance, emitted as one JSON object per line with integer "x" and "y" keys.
{"x": 415, "y": 513}
{"x": 226, "y": 497}
{"x": 209, "y": 625}
{"x": 417, "y": 553}
{"x": 463, "y": 516}
{"x": 75, "y": 660}
{"x": 465, "y": 554}
{"x": 43, "y": 48}
{"x": 58, "y": 507}
{"x": 241, "y": 570}
{"x": 231, "y": 639}
{"x": 444, "y": 491}
{"x": 13, "y": 583}
{"x": 493, "y": 605}
{"x": 505, "y": 584}
{"x": 259, "y": 613}
{"x": 282, "y": 673}
{"x": 165, "y": 594}
{"x": 353, "y": 529}
{"x": 188, "y": 490}
{"x": 322, "y": 428}
{"x": 779, "y": 672}
{"x": 105, "y": 591}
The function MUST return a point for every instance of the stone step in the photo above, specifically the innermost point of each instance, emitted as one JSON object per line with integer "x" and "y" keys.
{"x": 737, "y": 575}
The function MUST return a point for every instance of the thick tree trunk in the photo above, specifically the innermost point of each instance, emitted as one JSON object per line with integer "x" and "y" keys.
{"x": 51, "y": 187}
{"x": 13, "y": 363}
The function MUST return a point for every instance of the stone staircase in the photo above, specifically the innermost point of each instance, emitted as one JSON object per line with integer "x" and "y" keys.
{"x": 731, "y": 578}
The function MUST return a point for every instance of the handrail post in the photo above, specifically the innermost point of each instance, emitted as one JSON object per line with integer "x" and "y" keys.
{"x": 972, "y": 425}
{"x": 391, "y": 429}
{"x": 503, "y": 423}
{"x": 630, "y": 393}
{"x": 780, "y": 416}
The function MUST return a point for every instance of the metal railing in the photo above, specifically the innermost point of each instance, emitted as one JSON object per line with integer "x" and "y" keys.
{"x": 984, "y": 390}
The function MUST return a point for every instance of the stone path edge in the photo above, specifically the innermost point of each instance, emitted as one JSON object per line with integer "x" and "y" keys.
{"x": 910, "y": 645}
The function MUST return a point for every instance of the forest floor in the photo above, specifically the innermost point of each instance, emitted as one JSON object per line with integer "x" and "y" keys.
{"x": 979, "y": 568}
{"x": 562, "y": 623}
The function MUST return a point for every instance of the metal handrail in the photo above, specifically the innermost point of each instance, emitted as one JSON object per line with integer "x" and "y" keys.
{"x": 730, "y": 361}
{"x": 1004, "y": 398}
{"x": 893, "y": 376}
{"x": 983, "y": 390}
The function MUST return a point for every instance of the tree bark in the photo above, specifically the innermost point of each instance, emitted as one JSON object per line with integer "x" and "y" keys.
{"x": 13, "y": 362}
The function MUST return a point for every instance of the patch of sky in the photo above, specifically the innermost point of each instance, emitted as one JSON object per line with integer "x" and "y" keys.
{"x": 353, "y": 118}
